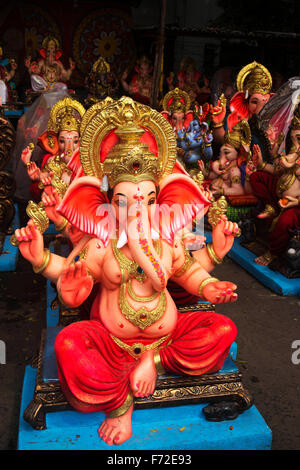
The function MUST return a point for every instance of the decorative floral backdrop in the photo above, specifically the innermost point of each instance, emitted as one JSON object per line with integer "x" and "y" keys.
{"x": 106, "y": 33}
{"x": 84, "y": 31}
{"x": 38, "y": 24}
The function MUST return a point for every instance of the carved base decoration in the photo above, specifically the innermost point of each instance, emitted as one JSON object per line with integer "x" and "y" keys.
{"x": 7, "y": 181}
{"x": 205, "y": 388}
{"x": 7, "y": 208}
{"x": 170, "y": 390}
{"x": 47, "y": 395}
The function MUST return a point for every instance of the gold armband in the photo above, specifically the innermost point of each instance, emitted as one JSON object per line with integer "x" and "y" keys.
{"x": 189, "y": 260}
{"x": 61, "y": 226}
{"x": 45, "y": 262}
{"x": 262, "y": 166}
{"x": 211, "y": 253}
{"x": 204, "y": 283}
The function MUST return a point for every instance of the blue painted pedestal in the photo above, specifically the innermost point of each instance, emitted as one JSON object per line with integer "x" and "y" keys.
{"x": 168, "y": 428}
{"x": 178, "y": 428}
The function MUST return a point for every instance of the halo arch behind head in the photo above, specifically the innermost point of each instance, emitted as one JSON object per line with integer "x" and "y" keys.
{"x": 99, "y": 135}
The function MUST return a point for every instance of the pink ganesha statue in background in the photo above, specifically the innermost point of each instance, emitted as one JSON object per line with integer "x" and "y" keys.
{"x": 130, "y": 207}
{"x": 48, "y": 70}
{"x": 254, "y": 85}
{"x": 61, "y": 143}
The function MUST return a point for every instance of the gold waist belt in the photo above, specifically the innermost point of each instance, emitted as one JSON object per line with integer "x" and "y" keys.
{"x": 137, "y": 349}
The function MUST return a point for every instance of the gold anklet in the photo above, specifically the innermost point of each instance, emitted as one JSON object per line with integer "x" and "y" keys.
{"x": 157, "y": 362}
{"x": 121, "y": 410}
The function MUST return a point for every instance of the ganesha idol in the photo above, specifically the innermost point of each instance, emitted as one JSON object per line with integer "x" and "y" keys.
{"x": 228, "y": 174}
{"x": 7, "y": 72}
{"x": 196, "y": 139}
{"x": 176, "y": 106}
{"x": 141, "y": 84}
{"x": 277, "y": 186}
{"x": 48, "y": 71}
{"x": 61, "y": 143}
{"x": 254, "y": 85}
{"x": 131, "y": 248}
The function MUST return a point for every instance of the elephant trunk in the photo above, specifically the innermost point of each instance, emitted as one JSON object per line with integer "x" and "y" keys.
{"x": 142, "y": 249}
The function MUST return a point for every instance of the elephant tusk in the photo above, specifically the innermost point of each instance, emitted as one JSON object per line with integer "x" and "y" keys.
{"x": 122, "y": 239}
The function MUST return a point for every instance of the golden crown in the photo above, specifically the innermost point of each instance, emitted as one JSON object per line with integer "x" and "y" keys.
{"x": 66, "y": 115}
{"x": 176, "y": 101}
{"x": 129, "y": 158}
{"x": 254, "y": 78}
{"x": 101, "y": 66}
{"x": 240, "y": 135}
{"x": 48, "y": 39}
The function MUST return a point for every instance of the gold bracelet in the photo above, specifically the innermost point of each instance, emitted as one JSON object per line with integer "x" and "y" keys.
{"x": 262, "y": 166}
{"x": 204, "y": 283}
{"x": 45, "y": 262}
{"x": 211, "y": 253}
{"x": 216, "y": 126}
{"x": 60, "y": 227}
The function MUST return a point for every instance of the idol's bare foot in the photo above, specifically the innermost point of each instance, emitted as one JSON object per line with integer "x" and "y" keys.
{"x": 143, "y": 377}
{"x": 116, "y": 430}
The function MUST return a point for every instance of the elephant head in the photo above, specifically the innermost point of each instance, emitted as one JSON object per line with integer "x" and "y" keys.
{"x": 132, "y": 179}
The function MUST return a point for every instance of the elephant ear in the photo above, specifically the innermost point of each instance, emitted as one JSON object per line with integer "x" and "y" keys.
{"x": 88, "y": 209}
{"x": 239, "y": 110}
{"x": 188, "y": 118}
{"x": 179, "y": 201}
{"x": 178, "y": 168}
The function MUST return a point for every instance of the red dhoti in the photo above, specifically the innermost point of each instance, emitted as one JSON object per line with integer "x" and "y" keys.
{"x": 94, "y": 371}
{"x": 264, "y": 187}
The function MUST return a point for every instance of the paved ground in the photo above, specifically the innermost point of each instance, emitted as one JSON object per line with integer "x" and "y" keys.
{"x": 267, "y": 326}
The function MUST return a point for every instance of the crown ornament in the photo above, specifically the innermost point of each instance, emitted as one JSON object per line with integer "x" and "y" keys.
{"x": 66, "y": 115}
{"x": 176, "y": 101}
{"x": 240, "y": 135}
{"x": 127, "y": 141}
{"x": 254, "y": 78}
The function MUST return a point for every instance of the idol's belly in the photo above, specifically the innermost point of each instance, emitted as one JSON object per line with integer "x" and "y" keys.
{"x": 152, "y": 319}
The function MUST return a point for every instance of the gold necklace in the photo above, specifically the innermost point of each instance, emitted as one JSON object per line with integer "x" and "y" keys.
{"x": 136, "y": 297}
{"x": 133, "y": 269}
{"x": 141, "y": 317}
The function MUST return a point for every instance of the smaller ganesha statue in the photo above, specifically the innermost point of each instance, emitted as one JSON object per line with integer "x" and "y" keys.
{"x": 228, "y": 174}
{"x": 196, "y": 140}
{"x": 101, "y": 82}
{"x": 48, "y": 71}
{"x": 176, "y": 109}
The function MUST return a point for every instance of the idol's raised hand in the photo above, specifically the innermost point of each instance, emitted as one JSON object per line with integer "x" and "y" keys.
{"x": 75, "y": 284}
{"x": 31, "y": 243}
